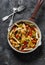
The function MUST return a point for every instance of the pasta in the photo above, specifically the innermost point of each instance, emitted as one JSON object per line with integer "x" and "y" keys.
{"x": 23, "y": 36}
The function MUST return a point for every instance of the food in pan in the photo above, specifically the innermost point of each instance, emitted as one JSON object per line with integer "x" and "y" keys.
{"x": 23, "y": 36}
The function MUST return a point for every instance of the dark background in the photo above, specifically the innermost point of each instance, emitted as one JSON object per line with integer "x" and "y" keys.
{"x": 9, "y": 56}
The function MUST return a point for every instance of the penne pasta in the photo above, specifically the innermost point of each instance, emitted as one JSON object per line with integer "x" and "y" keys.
{"x": 24, "y": 36}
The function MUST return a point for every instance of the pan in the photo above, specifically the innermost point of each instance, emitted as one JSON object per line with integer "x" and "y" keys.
{"x": 31, "y": 21}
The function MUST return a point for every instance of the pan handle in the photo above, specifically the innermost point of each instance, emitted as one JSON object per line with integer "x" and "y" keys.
{"x": 37, "y": 7}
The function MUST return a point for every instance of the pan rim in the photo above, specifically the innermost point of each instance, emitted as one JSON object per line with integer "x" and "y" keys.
{"x": 38, "y": 41}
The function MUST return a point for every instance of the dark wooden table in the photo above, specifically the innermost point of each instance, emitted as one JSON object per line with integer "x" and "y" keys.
{"x": 7, "y": 55}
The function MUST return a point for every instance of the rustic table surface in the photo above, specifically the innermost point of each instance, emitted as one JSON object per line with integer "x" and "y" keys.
{"x": 7, "y": 55}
